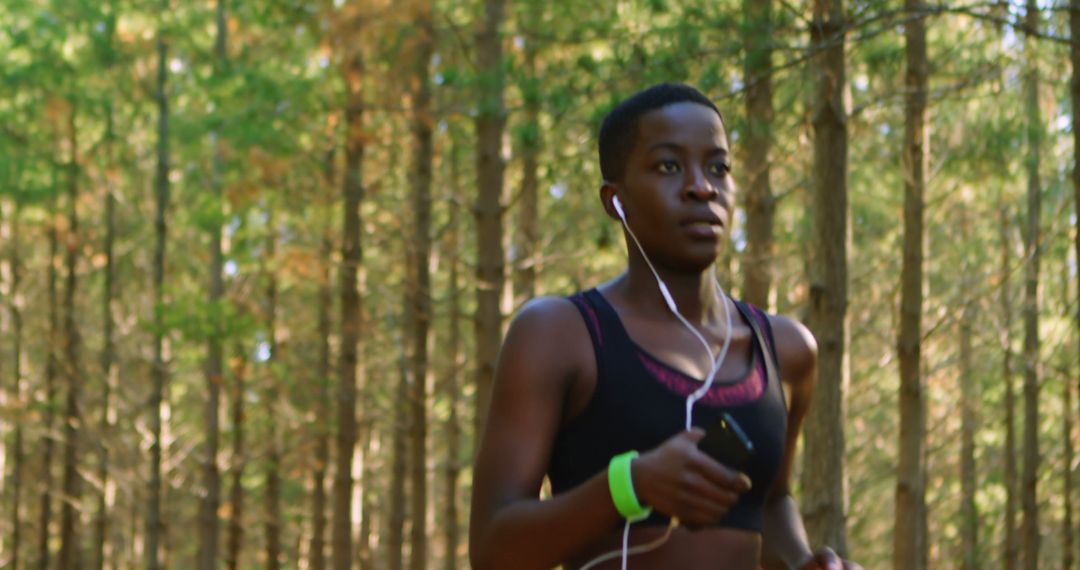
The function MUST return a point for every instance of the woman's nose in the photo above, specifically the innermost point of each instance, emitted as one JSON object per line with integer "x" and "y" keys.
{"x": 699, "y": 187}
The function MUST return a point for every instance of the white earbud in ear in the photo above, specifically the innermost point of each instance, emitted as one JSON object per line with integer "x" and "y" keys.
{"x": 618, "y": 208}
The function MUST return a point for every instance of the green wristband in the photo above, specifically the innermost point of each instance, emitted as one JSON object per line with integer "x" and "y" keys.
{"x": 622, "y": 488}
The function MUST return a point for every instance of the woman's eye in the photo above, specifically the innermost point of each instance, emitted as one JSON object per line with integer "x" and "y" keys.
{"x": 667, "y": 166}
{"x": 720, "y": 168}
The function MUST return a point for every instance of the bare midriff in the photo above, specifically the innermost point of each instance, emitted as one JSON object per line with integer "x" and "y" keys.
{"x": 709, "y": 548}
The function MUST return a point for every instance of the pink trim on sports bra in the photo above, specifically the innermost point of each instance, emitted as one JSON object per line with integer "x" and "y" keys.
{"x": 738, "y": 393}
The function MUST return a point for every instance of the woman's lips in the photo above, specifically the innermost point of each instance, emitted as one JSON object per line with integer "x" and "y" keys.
{"x": 703, "y": 228}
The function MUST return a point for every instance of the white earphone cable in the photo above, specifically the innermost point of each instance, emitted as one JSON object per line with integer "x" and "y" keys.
{"x": 717, "y": 362}
{"x": 635, "y": 550}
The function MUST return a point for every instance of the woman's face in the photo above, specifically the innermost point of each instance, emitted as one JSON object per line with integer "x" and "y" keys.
{"x": 677, "y": 188}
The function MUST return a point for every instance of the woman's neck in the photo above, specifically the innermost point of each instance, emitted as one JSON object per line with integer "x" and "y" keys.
{"x": 695, "y": 294}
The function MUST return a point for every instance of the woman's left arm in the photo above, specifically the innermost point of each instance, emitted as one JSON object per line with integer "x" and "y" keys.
{"x": 784, "y": 535}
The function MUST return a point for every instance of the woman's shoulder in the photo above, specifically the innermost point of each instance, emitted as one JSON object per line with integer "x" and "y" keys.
{"x": 543, "y": 327}
{"x": 548, "y": 322}
{"x": 545, "y": 313}
{"x": 796, "y": 347}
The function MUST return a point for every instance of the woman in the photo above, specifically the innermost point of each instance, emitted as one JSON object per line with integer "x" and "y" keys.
{"x": 607, "y": 392}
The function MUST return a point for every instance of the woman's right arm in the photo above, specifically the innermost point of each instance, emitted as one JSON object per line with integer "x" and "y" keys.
{"x": 547, "y": 350}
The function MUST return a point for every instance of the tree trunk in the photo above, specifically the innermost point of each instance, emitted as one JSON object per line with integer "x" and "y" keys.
{"x": 133, "y": 531}
{"x": 395, "y": 542}
{"x": 323, "y": 407}
{"x": 454, "y": 352}
{"x": 50, "y": 395}
{"x": 272, "y": 492}
{"x": 367, "y": 475}
{"x": 1074, "y": 26}
{"x": 1011, "y": 549}
{"x": 105, "y": 423}
{"x": 490, "y": 121}
{"x": 211, "y": 501}
{"x": 8, "y": 400}
{"x": 910, "y": 493}
{"x": 1067, "y": 473}
{"x": 236, "y": 498}
{"x": 423, "y": 119}
{"x": 108, "y": 350}
{"x": 759, "y": 204}
{"x": 153, "y": 522}
{"x": 70, "y": 553}
{"x": 108, "y": 382}
{"x": 823, "y": 472}
{"x": 1030, "y": 530}
{"x": 527, "y": 246}
{"x": 924, "y": 522}
{"x": 969, "y": 516}
{"x": 351, "y": 316}
{"x": 168, "y": 498}
{"x": 15, "y": 311}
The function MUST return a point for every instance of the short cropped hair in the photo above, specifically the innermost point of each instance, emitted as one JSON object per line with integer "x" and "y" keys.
{"x": 620, "y": 127}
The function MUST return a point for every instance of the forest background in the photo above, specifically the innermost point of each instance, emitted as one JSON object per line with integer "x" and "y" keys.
{"x": 257, "y": 258}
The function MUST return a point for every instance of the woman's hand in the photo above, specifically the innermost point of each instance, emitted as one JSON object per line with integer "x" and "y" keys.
{"x": 679, "y": 480}
{"x": 826, "y": 559}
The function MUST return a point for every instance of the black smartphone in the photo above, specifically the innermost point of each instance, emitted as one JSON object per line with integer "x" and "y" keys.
{"x": 727, "y": 443}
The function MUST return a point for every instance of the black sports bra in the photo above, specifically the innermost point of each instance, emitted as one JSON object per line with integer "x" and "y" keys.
{"x": 639, "y": 402}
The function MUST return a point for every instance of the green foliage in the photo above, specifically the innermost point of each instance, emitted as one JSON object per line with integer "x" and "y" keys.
{"x": 199, "y": 320}
{"x": 261, "y": 123}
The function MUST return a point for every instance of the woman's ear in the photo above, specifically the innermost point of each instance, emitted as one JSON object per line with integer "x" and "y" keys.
{"x": 609, "y": 197}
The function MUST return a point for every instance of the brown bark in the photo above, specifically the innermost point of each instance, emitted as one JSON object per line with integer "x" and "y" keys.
{"x": 527, "y": 239}
{"x": 908, "y": 549}
{"x": 70, "y": 552}
{"x": 451, "y": 530}
{"x": 272, "y": 492}
{"x": 50, "y": 395}
{"x": 924, "y": 524}
{"x": 1030, "y": 528}
{"x": 317, "y": 548}
{"x": 235, "y": 540}
{"x": 108, "y": 371}
{"x": 1074, "y": 51}
{"x": 969, "y": 516}
{"x": 395, "y": 534}
{"x": 1067, "y": 555}
{"x": 823, "y": 472}
{"x": 209, "y": 523}
{"x": 153, "y": 521}
{"x": 759, "y": 203}
{"x": 488, "y": 210}
{"x": 105, "y": 423}
{"x": 367, "y": 497}
{"x": 423, "y": 119}
{"x": 134, "y": 531}
{"x": 1010, "y": 547}
{"x": 8, "y": 400}
{"x": 351, "y": 315}
{"x": 17, "y": 455}
{"x": 168, "y": 499}
{"x": 108, "y": 350}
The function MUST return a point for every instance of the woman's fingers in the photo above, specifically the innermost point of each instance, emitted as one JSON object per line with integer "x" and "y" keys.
{"x": 829, "y": 560}
{"x": 678, "y": 479}
{"x": 721, "y": 475}
{"x": 699, "y": 490}
{"x": 702, "y": 502}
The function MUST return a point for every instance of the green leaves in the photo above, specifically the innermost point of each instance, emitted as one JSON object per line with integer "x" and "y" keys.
{"x": 658, "y": 6}
{"x": 198, "y": 320}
